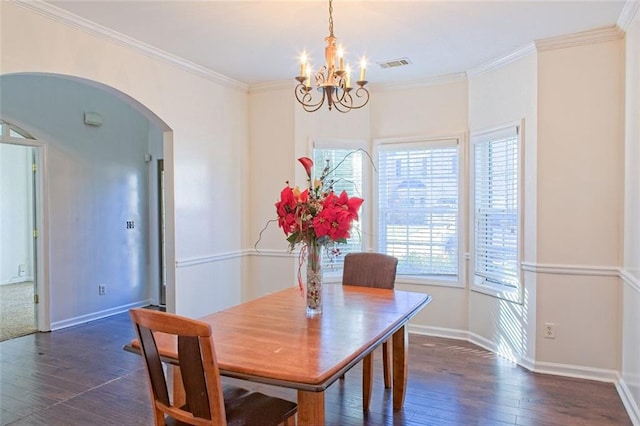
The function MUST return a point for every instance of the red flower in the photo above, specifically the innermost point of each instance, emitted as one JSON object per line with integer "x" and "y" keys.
{"x": 333, "y": 222}
{"x": 350, "y": 205}
{"x": 316, "y": 215}
{"x": 286, "y": 209}
{"x": 307, "y": 163}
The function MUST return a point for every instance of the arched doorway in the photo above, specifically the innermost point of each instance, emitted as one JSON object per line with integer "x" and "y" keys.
{"x": 100, "y": 204}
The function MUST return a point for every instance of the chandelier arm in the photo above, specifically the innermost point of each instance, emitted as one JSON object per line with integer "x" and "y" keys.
{"x": 339, "y": 108}
{"x": 345, "y": 104}
{"x": 320, "y": 76}
{"x": 307, "y": 98}
{"x": 361, "y": 92}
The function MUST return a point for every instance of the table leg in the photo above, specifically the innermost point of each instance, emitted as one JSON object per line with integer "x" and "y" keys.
{"x": 386, "y": 362}
{"x": 367, "y": 380}
{"x": 400, "y": 341}
{"x": 310, "y": 408}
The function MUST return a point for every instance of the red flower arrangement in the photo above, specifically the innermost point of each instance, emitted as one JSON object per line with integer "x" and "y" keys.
{"x": 316, "y": 216}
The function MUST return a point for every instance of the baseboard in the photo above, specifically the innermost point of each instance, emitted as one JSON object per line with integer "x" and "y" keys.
{"x": 566, "y": 370}
{"x": 577, "y": 371}
{"x": 448, "y": 333}
{"x": 83, "y": 319}
{"x": 14, "y": 281}
{"x": 451, "y": 333}
{"x": 628, "y": 401}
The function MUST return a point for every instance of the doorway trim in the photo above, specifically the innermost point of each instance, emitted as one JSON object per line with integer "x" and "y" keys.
{"x": 41, "y": 260}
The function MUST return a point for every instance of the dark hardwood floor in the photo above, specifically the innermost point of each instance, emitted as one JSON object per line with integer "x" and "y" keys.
{"x": 81, "y": 376}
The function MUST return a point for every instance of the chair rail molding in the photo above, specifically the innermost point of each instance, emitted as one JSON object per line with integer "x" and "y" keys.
{"x": 559, "y": 269}
{"x": 630, "y": 279}
{"x": 183, "y": 263}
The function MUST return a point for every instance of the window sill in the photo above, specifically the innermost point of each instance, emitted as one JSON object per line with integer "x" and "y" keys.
{"x": 510, "y": 294}
{"x": 430, "y": 281}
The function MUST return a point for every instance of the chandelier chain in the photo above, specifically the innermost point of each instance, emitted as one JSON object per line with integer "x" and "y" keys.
{"x": 331, "y": 18}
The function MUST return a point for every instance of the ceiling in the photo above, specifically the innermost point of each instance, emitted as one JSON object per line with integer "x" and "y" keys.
{"x": 258, "y": 42}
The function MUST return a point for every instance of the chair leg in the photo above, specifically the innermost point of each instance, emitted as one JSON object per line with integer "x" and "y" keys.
{"x": 386, "y": 363}
{"x": 290, "y": 421}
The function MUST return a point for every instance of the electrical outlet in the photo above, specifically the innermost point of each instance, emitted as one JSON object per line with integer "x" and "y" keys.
{"x": 549, "y": 330}
{"x": 102, "y": 289}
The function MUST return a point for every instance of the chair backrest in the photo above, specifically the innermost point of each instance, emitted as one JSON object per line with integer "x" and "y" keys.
{"x": 370, "y": 270}
{"x": 198, "y": 368}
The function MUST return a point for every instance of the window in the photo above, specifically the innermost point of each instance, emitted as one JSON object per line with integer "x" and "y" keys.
{"x": 347, "y": 176}
{"x": 12, "y": 131}
{"x": 418, "y": 215}
{"x": 496, "y": 211}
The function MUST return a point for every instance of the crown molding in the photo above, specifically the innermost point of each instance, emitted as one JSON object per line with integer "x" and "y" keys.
{"x": 598, "y": 35}
{"x": 517, "y": 54}
{"x": 61, "y": 16}
{"x": 628, "y": 13}
{"x": 271, "y": 85}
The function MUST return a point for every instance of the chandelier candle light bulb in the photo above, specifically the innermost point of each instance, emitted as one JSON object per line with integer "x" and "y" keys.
{"x": 363, "y": 67}
{"x": 348, "y": 73}
{"x": 303, "y": 64}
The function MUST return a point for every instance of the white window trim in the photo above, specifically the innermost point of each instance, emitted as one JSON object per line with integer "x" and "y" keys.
{"x": 515, "y": 294}
{"x": 462, "y": 143}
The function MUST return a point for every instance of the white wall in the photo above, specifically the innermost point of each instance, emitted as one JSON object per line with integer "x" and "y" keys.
{"x": 579, "y": 199}
{"x": 208, "y": 117}
{"x": 16, "y": 205}
{"x": 631, "y": 265}
{"x": 272, "y": 142}
{"x": 498, "y": 97}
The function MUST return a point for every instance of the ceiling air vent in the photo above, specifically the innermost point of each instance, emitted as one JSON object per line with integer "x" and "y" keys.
{"x": 394, "y": 63}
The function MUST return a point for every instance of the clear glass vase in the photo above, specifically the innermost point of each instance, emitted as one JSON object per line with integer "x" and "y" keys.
{"x": 314, "y": 278}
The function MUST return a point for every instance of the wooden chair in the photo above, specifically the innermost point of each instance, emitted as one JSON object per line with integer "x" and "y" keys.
{"x": 204, "y": 400}
{"x": 379, "y": 271}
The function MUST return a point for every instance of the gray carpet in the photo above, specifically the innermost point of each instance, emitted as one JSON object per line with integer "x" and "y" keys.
{"x": 17, "y": 310}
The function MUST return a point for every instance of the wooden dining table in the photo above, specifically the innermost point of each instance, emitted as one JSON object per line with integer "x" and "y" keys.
{"x": 272, "y": 340}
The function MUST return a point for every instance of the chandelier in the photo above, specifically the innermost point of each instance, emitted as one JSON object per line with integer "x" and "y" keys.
{"x": 333, "y": 79}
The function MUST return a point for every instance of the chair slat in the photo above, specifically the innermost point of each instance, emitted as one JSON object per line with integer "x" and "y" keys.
{"x": 154, "y": 365}
{"x": 193, "y": 377}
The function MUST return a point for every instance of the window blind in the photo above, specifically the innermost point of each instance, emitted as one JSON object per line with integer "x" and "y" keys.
{"x": 496, "y": 209}
{"x": 346, "y": 175}
{"x": 418, "y": 207}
